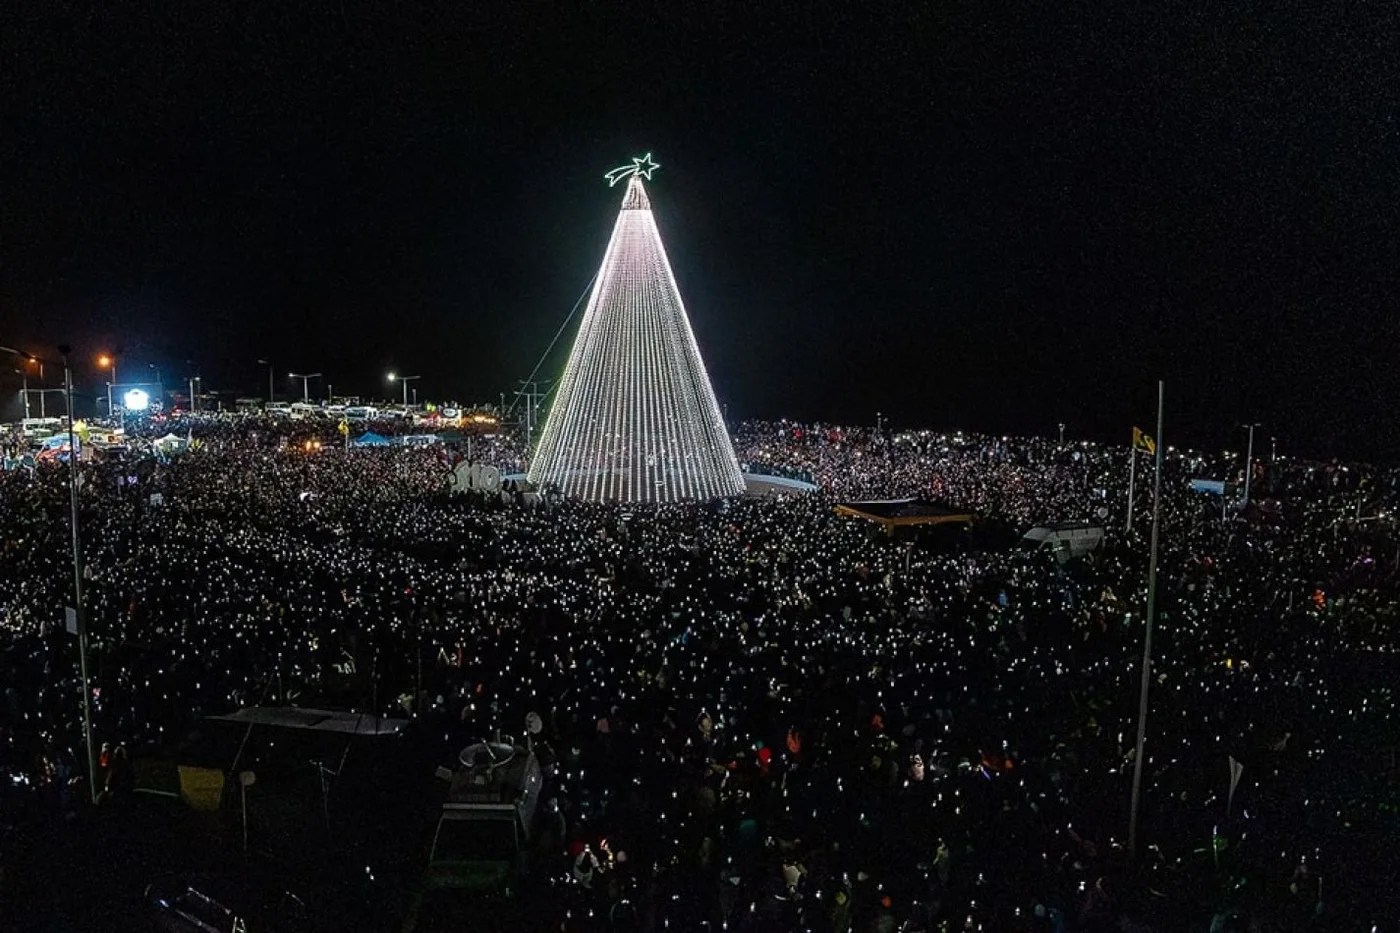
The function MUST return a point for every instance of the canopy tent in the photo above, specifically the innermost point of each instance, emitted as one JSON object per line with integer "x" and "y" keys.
{"x": 171, "y": 444}
{"x": 370, "y": 439}
{"x": 895, "y": 513}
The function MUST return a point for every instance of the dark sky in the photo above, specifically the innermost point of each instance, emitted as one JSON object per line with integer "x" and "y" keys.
{"x": 958, "y": 216}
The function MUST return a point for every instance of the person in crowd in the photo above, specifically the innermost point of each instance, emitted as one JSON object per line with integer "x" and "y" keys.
{"x": 782, "y": 717}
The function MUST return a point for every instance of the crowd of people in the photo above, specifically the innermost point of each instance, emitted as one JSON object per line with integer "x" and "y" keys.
{"x": 766, "y": 716}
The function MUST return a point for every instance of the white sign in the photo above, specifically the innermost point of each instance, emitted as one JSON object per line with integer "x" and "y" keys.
{"x": 474, "y": 477}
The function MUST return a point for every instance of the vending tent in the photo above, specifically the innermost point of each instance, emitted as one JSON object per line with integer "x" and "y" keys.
{"x": 171, "y": 444}
{"x": 370, "y": 439}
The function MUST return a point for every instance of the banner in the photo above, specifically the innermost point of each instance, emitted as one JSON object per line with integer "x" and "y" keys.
{"x": 201, "y": 788}
{"x": 1143, "y": 442}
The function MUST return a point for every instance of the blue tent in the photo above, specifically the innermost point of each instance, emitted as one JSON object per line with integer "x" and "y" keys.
{"x": 370, "y": 439}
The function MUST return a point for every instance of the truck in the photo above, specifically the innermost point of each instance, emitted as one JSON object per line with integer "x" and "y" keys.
{"x": 484, "y": 834}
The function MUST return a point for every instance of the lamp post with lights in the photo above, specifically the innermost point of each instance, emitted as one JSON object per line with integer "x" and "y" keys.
{"x": 24, "y": 390}
{"x": 109, "y": 361}
{"x": 270, "y": 391}
{"x": 405, "y": 380}
{"x": 305, "y": 383}
{"x": 77, "y": 549}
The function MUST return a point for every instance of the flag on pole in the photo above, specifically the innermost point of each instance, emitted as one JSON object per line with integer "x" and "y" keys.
{"x": 1236, "y": 769}
{"x": 1144, "y": 442}
{"x": 343, "y": 428}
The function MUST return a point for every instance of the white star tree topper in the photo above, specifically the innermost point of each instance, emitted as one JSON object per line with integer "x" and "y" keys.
{"x": 642, "y": 167}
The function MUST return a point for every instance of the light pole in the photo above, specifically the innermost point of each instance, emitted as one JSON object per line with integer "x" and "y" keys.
{"x": 78, "y": 576}
{"x": 268, "y": 364}
{"x": 305, "y": 383}
{"x": 1249, "y": 461}
{"x": 77, "y": 561}
{"x": 160, "y": 384}
{"x": 1147, "y": 633}
{"x": 34, "y": 361}
{"x": 405, "y": 380}
{"x": 44, "y": 394}
{"x": 1062, "y": 434}
{"x": 24, "y": 391}
{"x": 109, "y": 361}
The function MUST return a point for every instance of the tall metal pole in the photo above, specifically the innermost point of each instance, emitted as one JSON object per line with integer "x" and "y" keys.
{"x": 25, "y": 378}
{"x": 78, "y": 577}
{"x": 305, "y": 384}
{"x": 1147, "y": 635}
{"x": 1132, "y": 481}
{"x": 1249, "y": 464}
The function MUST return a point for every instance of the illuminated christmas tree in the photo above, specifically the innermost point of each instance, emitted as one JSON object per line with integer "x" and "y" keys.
{"x": 635, "y": 418}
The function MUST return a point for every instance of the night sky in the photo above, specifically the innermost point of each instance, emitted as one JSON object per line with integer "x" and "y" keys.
{"x": 961, "y": 217}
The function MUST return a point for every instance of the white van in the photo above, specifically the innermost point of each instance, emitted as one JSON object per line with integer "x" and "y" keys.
{"x": 41, "y": 427}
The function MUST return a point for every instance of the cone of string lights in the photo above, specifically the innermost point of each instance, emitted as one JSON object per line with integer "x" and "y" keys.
{"x": 634, "y": 418}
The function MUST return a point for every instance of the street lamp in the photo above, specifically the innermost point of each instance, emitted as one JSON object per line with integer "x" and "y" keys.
{"x": 194, "y": 394}
{"x": 405, "y": 380}
{"x": 39, "y": 364}
{"x": 268, "y": 364}
{"x": 77, "y": 561}
{"x": 108, "y": 361}
{"x": 24, "y": 390}
{"x": 305, "y": 382}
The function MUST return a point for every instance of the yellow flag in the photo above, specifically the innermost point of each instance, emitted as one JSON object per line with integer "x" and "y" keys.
{"x": 343, "y": 428}
{"x": 1143, "y": 442}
